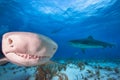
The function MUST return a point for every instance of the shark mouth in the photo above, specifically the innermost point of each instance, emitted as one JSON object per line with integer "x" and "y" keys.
{"x": 29, "y": 56}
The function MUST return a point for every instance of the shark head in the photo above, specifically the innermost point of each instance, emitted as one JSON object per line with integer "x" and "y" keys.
{"x": 27, "y": 49}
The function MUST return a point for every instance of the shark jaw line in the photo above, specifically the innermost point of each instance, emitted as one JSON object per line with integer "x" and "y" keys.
{"x": 29, "y": 56}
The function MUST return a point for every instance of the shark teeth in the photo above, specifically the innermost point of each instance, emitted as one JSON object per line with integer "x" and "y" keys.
{"x": 28, "y": 56}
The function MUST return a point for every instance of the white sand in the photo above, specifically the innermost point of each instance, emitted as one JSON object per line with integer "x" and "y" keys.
{"x": 92, "y": 71}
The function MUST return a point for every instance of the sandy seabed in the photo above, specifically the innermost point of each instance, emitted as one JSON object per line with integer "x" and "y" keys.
{"x": 68, "y": 69}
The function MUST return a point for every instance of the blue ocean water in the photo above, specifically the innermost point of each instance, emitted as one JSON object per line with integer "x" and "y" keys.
{"x": 66, "y": 20}
{"x": 63, "y": 21}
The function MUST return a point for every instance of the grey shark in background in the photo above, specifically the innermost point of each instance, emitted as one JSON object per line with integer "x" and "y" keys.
{"x": 89, "y": 42}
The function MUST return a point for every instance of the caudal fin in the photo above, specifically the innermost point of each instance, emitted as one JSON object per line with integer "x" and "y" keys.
{"x": 112, "y": 45}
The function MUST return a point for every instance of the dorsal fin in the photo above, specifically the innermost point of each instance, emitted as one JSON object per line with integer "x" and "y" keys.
{"x": 90, "y": 38}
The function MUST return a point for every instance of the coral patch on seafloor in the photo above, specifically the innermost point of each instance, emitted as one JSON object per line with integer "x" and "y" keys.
{"x": 78, "y": 70}
{"x": 67, "y": 70}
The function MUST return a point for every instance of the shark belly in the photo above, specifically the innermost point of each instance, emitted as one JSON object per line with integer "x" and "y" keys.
{"x": 86, "y": 46}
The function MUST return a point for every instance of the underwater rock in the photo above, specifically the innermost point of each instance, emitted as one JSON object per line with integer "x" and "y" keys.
{"x": 108, "y": 68}
{"x": 61, "y": 76}
{"x": 85, "y": 78}
{"x": 117, "y": 70}
{"x": 13, "y": 72}
{"x": 50, "y": 70}
{"x": 111, "y": 78}
{"x": 98, "y": 73}
{"x": 81, "y": 65}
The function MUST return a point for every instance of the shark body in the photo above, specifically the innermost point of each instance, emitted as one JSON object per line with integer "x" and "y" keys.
{"x": 27, "y": 49}
{"x": 89, "y": 42}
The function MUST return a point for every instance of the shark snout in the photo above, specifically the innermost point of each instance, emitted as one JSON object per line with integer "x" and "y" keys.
{"x": 25, "y": 47}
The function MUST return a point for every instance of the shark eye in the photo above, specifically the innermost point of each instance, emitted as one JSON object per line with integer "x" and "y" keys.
{"x": 54, "y": 48}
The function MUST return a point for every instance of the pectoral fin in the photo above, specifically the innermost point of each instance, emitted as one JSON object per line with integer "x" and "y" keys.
{"x": 48, "y": 63}
{"x": 3, "y": 61}
{"x": 83, "y": 50}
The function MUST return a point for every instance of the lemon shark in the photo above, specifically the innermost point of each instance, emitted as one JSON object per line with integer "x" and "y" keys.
{"x": 27, "y": 49}
{"x": 89, "y": 42}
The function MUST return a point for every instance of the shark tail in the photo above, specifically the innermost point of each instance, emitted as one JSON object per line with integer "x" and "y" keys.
{"x": 112, "y": 45}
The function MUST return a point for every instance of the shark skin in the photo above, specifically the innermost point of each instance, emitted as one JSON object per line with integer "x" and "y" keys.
{"x": 89, "y": 42}
{"x": 27, "y": 49}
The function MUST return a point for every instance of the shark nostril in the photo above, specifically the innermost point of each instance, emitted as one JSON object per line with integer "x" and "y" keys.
{"x": 10, "y": 41}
